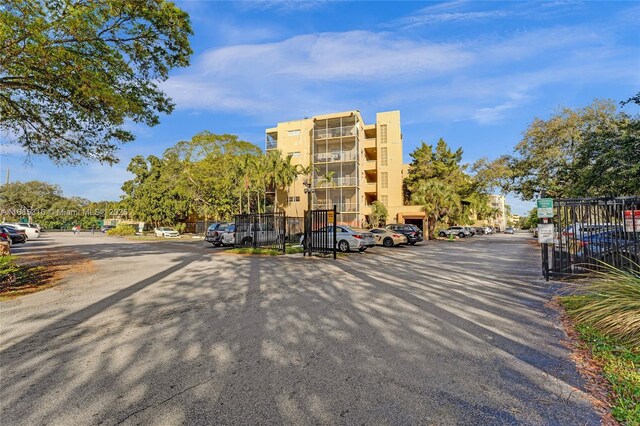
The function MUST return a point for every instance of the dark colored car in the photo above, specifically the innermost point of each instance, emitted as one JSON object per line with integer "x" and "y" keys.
{"x": 479, "y": 230}
{"x": 105, "y": 228}
{"x": 613, "y": 246}
{"x": 214, "y": 233}
{"x": 18, "y": 236}
{"x": 412, "y": 232}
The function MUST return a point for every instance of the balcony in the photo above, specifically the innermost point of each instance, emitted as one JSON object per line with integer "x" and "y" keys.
{"x": 370, "y": 187}
{"x": 335, "y": 132}
{"x": 370, "y": 143}
{"x": 272, "y": 143}
{"x": 340, "y": 207}
{"x": 330, "y": 157}
{"x": 335, "y": 182}
{"x": 370, "y": 165}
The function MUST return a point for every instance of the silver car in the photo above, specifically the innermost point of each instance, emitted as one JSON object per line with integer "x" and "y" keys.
{"x": 229, "y": 235}
{"x": 348, "y": 239}
{"x": 460, "y": 231}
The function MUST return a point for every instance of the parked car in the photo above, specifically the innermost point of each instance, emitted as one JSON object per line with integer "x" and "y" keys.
{"x": 166, "y": 232}
{"x": 106, "y": 228}
{"x": 388, "y": 238}
{"x": 412, "y": 232}
{"x": 509, "y": 230}
{"x": 488, "y": 230}
{"x": 613, "y": 246}
{"x": 261, "y": 233}
{"x": 348, "y": 238}
{"x": 16, "y": 235}
{"x": 228, "y": 237}
{"x": 214, "y": 233}
{"x": 31, "y": 232}
{"x": 4, "y": 237}
{"x": 479, "y": 230}
{"x": 460, "y": 231}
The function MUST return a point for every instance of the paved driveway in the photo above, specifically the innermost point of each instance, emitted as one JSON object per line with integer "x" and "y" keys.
{"x": 171, "y": 333}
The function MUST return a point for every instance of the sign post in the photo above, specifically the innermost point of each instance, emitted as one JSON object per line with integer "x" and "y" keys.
{"x": 545, "y": 207}
{"x": 545, "y": 231}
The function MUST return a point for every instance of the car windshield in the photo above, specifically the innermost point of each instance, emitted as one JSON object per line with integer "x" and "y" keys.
{"x": 213, "y": 226}
{"x": 230, "y": 228}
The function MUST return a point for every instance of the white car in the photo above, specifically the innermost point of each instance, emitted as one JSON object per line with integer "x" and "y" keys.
{"x": 229, "y": 235}
{"x": 167, "y": 233}
{"x": 31, "y": 232}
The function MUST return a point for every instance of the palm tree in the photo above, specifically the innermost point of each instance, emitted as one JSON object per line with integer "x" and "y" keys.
{"x": 286, "y": 174}
{"x": 439, "y": 200}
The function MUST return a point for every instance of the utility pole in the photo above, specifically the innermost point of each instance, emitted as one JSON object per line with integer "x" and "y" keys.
{"x": 7, "y": 181}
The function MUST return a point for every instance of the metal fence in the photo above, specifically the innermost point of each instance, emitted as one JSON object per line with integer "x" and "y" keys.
{"x": 261, "y": 230}
{"x": 294, "y": 229}
{"x": 590, "y": 233}
{"x": 320, "y": 232}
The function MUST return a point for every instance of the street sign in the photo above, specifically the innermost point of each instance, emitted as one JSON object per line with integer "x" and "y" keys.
{"x": 545, "y": 233}
{"x": 632, "y": 220}
{"x": 545, "y": 207}
{"x": 330, "y": 217}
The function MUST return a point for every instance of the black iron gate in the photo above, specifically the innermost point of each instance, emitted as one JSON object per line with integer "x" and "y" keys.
{"x": 320, "y": 231}
{"x": 261, "y": 230}
{"x": 590, "y": 233}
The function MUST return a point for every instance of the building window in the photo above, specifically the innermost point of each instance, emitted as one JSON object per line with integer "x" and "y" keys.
{"x": 383, "y": 134}
{"x": 295, "y": 154}
{"x": 384, "y": 180}
{"x": 383, "y": 157}
{"x": 295, "y": 199}
{"x": 384, "y": 199}
{"x": 294, "y": 132}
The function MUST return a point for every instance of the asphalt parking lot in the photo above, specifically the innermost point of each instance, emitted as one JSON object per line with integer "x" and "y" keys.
{"x": 175, "y": 332}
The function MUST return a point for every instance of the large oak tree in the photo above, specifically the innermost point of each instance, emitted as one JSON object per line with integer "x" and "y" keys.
{"x": 74, "y": 72}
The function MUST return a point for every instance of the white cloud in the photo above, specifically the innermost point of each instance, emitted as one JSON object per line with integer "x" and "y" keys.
{"x": 476, "y": 79}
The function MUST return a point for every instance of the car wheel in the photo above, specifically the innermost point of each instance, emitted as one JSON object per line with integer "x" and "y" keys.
{"x": 442, "y": 234}
{"x": 216, "y": 244}
{"x": 246, "y": 241}
{"x": 343, "y": 246}
{"x": 461, "y": 235}
{"x": 387, "y": 242}
{"x": 362, "y": 249}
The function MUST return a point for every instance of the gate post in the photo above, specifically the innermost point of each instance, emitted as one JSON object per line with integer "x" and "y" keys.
{"x": 335, "y": 231}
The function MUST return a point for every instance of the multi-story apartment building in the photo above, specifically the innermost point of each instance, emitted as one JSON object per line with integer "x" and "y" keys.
{"x": 350, "y": 164}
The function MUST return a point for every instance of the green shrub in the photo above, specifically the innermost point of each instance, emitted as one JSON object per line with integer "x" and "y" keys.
{"x": 609, "y": 302}
{"x": 8, "y": 268}
{"x": 122, "y": 230}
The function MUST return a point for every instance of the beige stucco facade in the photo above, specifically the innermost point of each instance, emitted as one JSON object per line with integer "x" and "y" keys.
{"x": 353, "y": 165}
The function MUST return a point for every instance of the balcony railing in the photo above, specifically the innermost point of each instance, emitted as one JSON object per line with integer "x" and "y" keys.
{"x": 335, "y": 182}
{"x": 341, "y": 207}
{"x": 272, "y": 143}
{"x": 335, "y": 132}
{"x": 329, "y": 157}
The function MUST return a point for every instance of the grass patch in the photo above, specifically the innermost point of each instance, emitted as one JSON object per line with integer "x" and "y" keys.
{"x": 265, "y": 252}
{"x": 606, "y": 311}
{"x": 16, "y": 279}
{"x": 30, "y": 273}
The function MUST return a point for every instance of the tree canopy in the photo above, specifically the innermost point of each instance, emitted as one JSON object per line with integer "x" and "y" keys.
{"x": 439, "y": 182}
{"x": 45, "y": 204}
{"x": 583, "y": 152}
{"x": 212, "y": 176}
{"x": 73, "y": 73}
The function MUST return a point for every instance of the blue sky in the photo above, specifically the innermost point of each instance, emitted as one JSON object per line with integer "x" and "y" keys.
{"x": 473, "y": 73}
